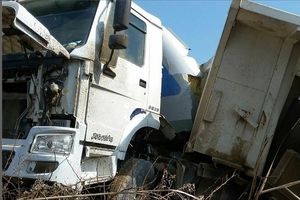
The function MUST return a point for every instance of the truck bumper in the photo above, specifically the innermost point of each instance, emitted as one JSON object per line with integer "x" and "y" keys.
{"x": 71, "y": 169}
{"x": 19, "y": 162}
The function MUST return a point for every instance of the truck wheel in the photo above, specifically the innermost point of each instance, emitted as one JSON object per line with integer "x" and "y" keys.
{"x": 134, "y": 174}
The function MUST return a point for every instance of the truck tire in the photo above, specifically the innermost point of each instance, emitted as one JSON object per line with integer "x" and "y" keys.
{"x": 134, "y": 174}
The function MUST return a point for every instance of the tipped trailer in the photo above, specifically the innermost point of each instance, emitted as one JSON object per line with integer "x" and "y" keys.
{"x": 247, "y": 119}
{"x": 248, "y": 114}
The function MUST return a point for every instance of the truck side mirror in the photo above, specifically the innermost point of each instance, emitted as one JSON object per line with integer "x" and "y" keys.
{"x": 118, "y": 41}
{"x": 121, "y": 16}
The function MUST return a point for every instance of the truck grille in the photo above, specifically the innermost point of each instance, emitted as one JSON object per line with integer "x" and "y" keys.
{"x": 7, "y": 157}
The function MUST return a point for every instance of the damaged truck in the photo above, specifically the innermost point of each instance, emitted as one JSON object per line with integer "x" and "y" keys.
{"x": 101, "y": 91}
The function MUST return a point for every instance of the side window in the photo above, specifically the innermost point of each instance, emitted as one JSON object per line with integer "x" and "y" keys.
{"x": 136, "y": 41}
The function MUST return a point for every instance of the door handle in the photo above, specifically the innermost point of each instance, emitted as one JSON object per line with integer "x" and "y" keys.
{"x": 143, "y": 83}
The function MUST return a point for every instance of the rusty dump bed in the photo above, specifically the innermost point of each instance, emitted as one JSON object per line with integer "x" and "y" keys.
{"x": 250, "y": 79}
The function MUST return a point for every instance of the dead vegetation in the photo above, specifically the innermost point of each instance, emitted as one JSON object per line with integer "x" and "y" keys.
{"x": 39, "y": 189}
{"x": 163, "y": 191}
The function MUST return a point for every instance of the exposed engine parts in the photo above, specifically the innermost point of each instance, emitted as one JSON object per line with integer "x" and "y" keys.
{"x": 46, "y": 91}
{"x": 32, "y": 93}
{"x": 53, "y": 90}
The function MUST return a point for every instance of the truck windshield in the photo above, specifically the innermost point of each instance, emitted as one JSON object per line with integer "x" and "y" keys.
{"x": 68, "y": 21}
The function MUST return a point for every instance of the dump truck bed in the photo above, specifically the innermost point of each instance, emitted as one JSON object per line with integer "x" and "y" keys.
{"x": 252, "y": 71}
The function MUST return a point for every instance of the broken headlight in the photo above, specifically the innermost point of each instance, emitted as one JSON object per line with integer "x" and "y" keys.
{"x": 52, "y": 143}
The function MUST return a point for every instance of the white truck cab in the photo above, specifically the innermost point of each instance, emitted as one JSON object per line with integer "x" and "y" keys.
{"x": 71, "y": 104}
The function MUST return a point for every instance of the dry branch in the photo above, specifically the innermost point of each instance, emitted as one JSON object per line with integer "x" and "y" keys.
{"x": 219, "y": 187}
{"x": 284, "y": 186}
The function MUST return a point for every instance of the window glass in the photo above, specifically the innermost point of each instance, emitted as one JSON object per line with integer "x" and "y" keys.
{"x": 68, "y": 21}
{"x": 136, "y": 41}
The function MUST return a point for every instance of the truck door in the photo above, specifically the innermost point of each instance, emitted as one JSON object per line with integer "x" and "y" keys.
{"x": 245, "y": 91}
{"x": 113, "y": 99}
{"x": 114, "y": 102}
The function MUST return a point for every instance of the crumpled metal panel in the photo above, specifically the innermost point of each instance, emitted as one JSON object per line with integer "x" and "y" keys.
{"x": 35, "y": 35}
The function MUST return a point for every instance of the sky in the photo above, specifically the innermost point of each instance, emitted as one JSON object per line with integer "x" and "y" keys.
{"x": 199, "y": 23}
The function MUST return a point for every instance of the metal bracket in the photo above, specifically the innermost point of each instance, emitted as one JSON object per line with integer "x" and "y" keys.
{"x": 247, "y": 115}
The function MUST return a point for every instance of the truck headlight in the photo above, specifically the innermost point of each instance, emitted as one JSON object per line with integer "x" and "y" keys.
{"x": 52, "y": 143}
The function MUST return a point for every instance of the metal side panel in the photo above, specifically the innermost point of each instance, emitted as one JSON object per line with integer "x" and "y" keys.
{"x": 236, "y": 115}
